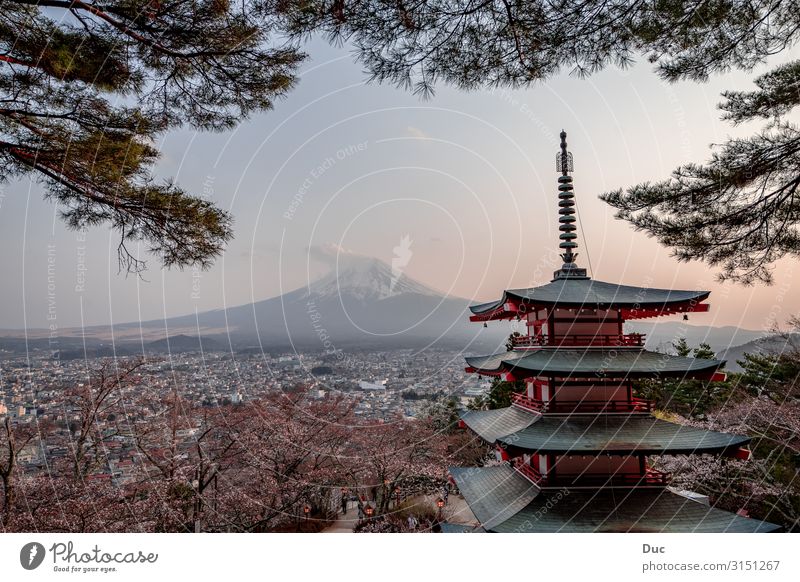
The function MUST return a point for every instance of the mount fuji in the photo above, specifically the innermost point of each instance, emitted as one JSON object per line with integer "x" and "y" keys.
{"x": 366, "y": 279}
{"x": 361, "y": 302}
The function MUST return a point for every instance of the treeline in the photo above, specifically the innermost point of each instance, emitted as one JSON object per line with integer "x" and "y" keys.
{"x": 760, "y": 402}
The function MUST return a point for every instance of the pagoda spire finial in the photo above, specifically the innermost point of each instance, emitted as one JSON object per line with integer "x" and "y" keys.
{"x": 564, "y": 159}
{"x": 566, "y": 211}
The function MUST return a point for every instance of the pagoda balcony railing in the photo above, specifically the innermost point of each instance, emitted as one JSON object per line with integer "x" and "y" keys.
{"x": 527, "y": 471}
{"x": 625, "y": 340}
{"x": 650, "y": 478}
{"x": 582, "y": 406}
{"x": 655, "y": 477}
{"x": 524, "y": 401}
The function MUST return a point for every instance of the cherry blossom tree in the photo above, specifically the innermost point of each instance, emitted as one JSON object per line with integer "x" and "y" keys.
{"x": 95, "y": 405}
{"x": 766, "y": 485}
{"x": 57, "y": 502}
{"x": 12, "y": 440}
{"x": 409, "y": 454}
{"x": 247, "y": 467}
{"x": 292, "y": 454}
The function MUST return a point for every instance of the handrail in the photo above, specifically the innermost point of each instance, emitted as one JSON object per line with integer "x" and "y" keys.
{"x": 657, "y": 477}
{"x": 650, "y": 477}
{"x": 526, "y": 402}
{"x": 591, "y": 340}
{"x": 633, "y": 405}
{"x": 527, "y": 471}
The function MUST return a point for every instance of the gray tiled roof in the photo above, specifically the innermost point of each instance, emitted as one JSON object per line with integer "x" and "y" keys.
{"x": 624, "y": 510}
{"x": 460, "y": 528}
{"x": 579, "y": 434}
{"x": 494, "y": 494}
{"x": 494, "y": 424}
{"x": 594, "y": 294}
{"x": 593, "y": 362}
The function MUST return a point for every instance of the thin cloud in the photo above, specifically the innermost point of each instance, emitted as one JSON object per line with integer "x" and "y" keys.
{"x": 417, "y": 132}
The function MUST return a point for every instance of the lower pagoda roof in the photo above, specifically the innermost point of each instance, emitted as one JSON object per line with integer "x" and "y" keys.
{"x": 592, "y": 362}
{"x": 596, "y": 434}
{"x": 492, "y": 425}
{"x": 589, "y": 511}
{"x": 448, "y": 527}
{"x": 494, "y": 493}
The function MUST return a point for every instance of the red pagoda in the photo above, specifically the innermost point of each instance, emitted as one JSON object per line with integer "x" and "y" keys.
{"x": 574, "y": 446}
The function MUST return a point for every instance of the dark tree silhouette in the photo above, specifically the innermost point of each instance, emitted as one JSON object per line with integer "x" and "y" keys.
{"x": 67, "y": 66}
{"x": 473, "y": 43}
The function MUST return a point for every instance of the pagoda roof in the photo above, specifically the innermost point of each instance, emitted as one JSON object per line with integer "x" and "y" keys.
{"x": 495, "y": 493}
{"x": 592, "y": 362}
{"x": 597, "y": 510}
{"x": 448, "y": 527}
{"x": 636, "y": 510}
{"x": 589, "y": 293}
{"x": 492, "y": 425}
{"x": 596, "y": 434}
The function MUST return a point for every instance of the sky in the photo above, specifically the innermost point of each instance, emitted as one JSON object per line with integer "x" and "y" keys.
{"x": 464, "y": 183}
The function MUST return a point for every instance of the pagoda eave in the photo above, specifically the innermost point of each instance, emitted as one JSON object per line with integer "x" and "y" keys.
{"x": 733, "y": 451}
{"x": 498, "y": 315}
{"x": 519, "y": 431}
{"x": 628, "y": 313}
{"x": 503, "y": 502}
{"x": 639, "y": 511}
{"x": 509, "y": 492}
{"x": 495, "y": 494}
{"x": 599, "y": 363}
{"x": 633, "y": 302}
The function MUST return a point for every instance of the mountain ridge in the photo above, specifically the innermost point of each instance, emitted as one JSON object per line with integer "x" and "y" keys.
{"x": 363, "y": 301}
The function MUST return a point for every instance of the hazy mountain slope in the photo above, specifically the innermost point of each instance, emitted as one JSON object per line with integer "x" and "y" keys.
{"x": 661, "y": 334}
{"x": 362, "y": 301}
{"x": 772, "y": 344}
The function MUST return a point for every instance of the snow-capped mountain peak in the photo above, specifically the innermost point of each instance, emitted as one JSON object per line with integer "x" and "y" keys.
{"x": 367, "y": 279}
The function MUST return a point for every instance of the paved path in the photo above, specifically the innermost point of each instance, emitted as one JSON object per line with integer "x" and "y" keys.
{"x": 456, "y": 511}
{"x": 344, "y": 523}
